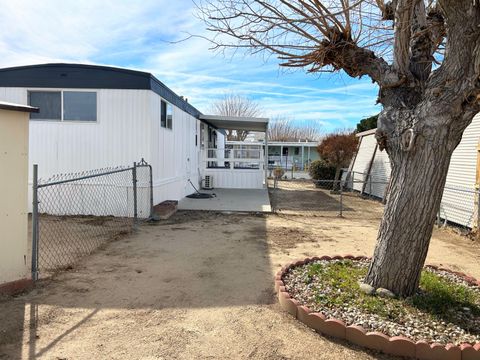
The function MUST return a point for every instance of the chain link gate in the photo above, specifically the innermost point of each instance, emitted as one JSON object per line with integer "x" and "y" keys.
{"x": 73, "y": 214}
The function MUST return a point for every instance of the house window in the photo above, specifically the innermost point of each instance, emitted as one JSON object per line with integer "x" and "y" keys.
{"x": 166, "y": 116}
{"x": 169, "y": 116}
{"x": 49, "y": 102}
{"x": 202, "y": 136}
{"x": 79, "y": 106}
{"x": 285, "y": 151}
{"x": 297, "y": 150}
{"x": 64, "y": 105}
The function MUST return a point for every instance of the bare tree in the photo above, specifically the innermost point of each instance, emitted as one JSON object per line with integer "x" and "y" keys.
{"x": 425, "y": 57}
{"x": 281, "y": 129}
{"x": 236, "y": 105}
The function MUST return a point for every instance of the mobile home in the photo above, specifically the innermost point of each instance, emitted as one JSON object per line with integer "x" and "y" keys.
{"x": 370, "y": 170}
{"x": 96, "y": 116}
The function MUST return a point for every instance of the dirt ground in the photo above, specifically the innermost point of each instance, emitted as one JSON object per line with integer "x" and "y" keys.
{"x": 66, "y": 239}
{"x": 199, "y": 286}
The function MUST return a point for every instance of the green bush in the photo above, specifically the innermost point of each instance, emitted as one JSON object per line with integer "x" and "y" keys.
{"x": 319, "y": 170}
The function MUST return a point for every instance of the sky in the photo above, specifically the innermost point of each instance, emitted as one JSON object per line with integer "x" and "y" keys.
{"x": 147, "y": 35}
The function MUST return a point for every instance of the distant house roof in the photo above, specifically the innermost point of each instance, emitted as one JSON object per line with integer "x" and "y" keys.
{"x": 89, "y": 77}
{"x": 17, "y": 107}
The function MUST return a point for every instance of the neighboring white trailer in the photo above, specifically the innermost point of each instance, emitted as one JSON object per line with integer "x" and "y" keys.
{"x": 458, "y": 202}
{"x": 459, "y": 197}
{"x": 366, "y": 151}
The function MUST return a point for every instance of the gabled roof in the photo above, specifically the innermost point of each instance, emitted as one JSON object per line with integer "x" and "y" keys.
{"x": 83, "y": 76}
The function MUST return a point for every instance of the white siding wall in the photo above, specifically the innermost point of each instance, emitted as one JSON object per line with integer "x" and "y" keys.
{"x": 174, "y": 154}
{"x": 458, "y": 201}
{"x": 237, "y": 178}
{"x": 362, "y": 160}
{"x": 119, "y": 137}
{"x": 128, "y": 129}
{"x": 457, "y": 205}
{"x": 379, "y": 174}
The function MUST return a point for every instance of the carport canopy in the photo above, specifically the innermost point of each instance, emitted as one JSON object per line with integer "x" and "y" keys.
{"x": 236, "y": 122}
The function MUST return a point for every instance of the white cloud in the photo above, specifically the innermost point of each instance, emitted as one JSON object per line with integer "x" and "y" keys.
{"x": 138, "y": 34}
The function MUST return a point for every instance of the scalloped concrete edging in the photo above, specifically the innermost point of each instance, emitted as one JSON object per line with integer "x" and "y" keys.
{"x": 396, "y": 345}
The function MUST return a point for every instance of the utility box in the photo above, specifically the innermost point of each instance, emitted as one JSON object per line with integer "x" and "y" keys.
{"x": 208, "y": 182}
{"x": 14, "y": 253}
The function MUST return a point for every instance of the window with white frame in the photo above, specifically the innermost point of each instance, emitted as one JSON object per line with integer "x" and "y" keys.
{"x": 64, "y": 105}
{"x": 166, "y": 115}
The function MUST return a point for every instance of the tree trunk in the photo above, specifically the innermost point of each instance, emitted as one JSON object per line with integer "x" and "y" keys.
{"x": 417, "y": 180}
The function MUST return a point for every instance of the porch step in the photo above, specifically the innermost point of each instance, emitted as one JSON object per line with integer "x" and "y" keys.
{"x": 165, "y": 209}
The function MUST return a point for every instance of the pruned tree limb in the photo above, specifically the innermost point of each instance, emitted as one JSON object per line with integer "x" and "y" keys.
{"x": 404, "y": 15}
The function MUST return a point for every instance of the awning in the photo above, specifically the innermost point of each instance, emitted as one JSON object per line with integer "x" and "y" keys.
{"x": 236, "y": 123}
{"x": 18, "y": 107}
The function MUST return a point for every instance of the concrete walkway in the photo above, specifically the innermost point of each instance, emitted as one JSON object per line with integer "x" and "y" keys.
{"x": 243, "y": 200}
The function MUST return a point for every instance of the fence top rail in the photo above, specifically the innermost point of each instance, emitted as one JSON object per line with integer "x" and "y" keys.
{"x": 349, "y": 181}
{"x": 84, "y": 177}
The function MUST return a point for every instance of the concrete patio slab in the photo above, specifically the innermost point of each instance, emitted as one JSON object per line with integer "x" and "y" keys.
{"x": 244, "y": 200}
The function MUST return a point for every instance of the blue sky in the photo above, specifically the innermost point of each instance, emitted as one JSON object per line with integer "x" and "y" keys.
{"x": 140, "y": 35}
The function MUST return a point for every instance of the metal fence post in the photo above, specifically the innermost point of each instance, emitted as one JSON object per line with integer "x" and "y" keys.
{"x": 477, "y": 195}
{"x": 370, "y": 193}
{"x": 35, "y": 236}
{"x": 134, "y": 179}
{"x": 341, "y": 200}
{"x": 151, "y": 190}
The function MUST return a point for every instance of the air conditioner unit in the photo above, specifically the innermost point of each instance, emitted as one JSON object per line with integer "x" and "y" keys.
{"x": 208, "y": 182}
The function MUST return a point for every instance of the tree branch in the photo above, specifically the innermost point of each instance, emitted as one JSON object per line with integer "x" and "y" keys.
{"x": 428, "y": 32}
{"x": 456, "y": 81}
{"x": 306, "y": 33}
{"x": 404, "y": 14}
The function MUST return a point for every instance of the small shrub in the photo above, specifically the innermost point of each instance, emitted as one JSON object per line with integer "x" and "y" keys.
{"x": 278, "y": 172}
{"x": 319, "y": 170}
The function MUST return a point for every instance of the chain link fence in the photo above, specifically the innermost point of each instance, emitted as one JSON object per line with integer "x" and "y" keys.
{"x": 459, "y": 207}
{"x": 321, "y": 198}
{"x": 73, "y": 214}
{"x": 360, "y": 196}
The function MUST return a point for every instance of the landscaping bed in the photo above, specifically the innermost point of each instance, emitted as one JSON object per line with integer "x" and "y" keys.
{"x": 446, "y": 308}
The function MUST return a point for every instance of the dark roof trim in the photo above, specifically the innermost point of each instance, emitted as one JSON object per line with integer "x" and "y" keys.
{"x": 17, "y": 107}
{"x": 84, "y": 76}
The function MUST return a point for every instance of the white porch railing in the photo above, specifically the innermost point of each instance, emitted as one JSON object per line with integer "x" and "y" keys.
{"x": 235, "y": 168}
{"x": 234, "y": 159}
